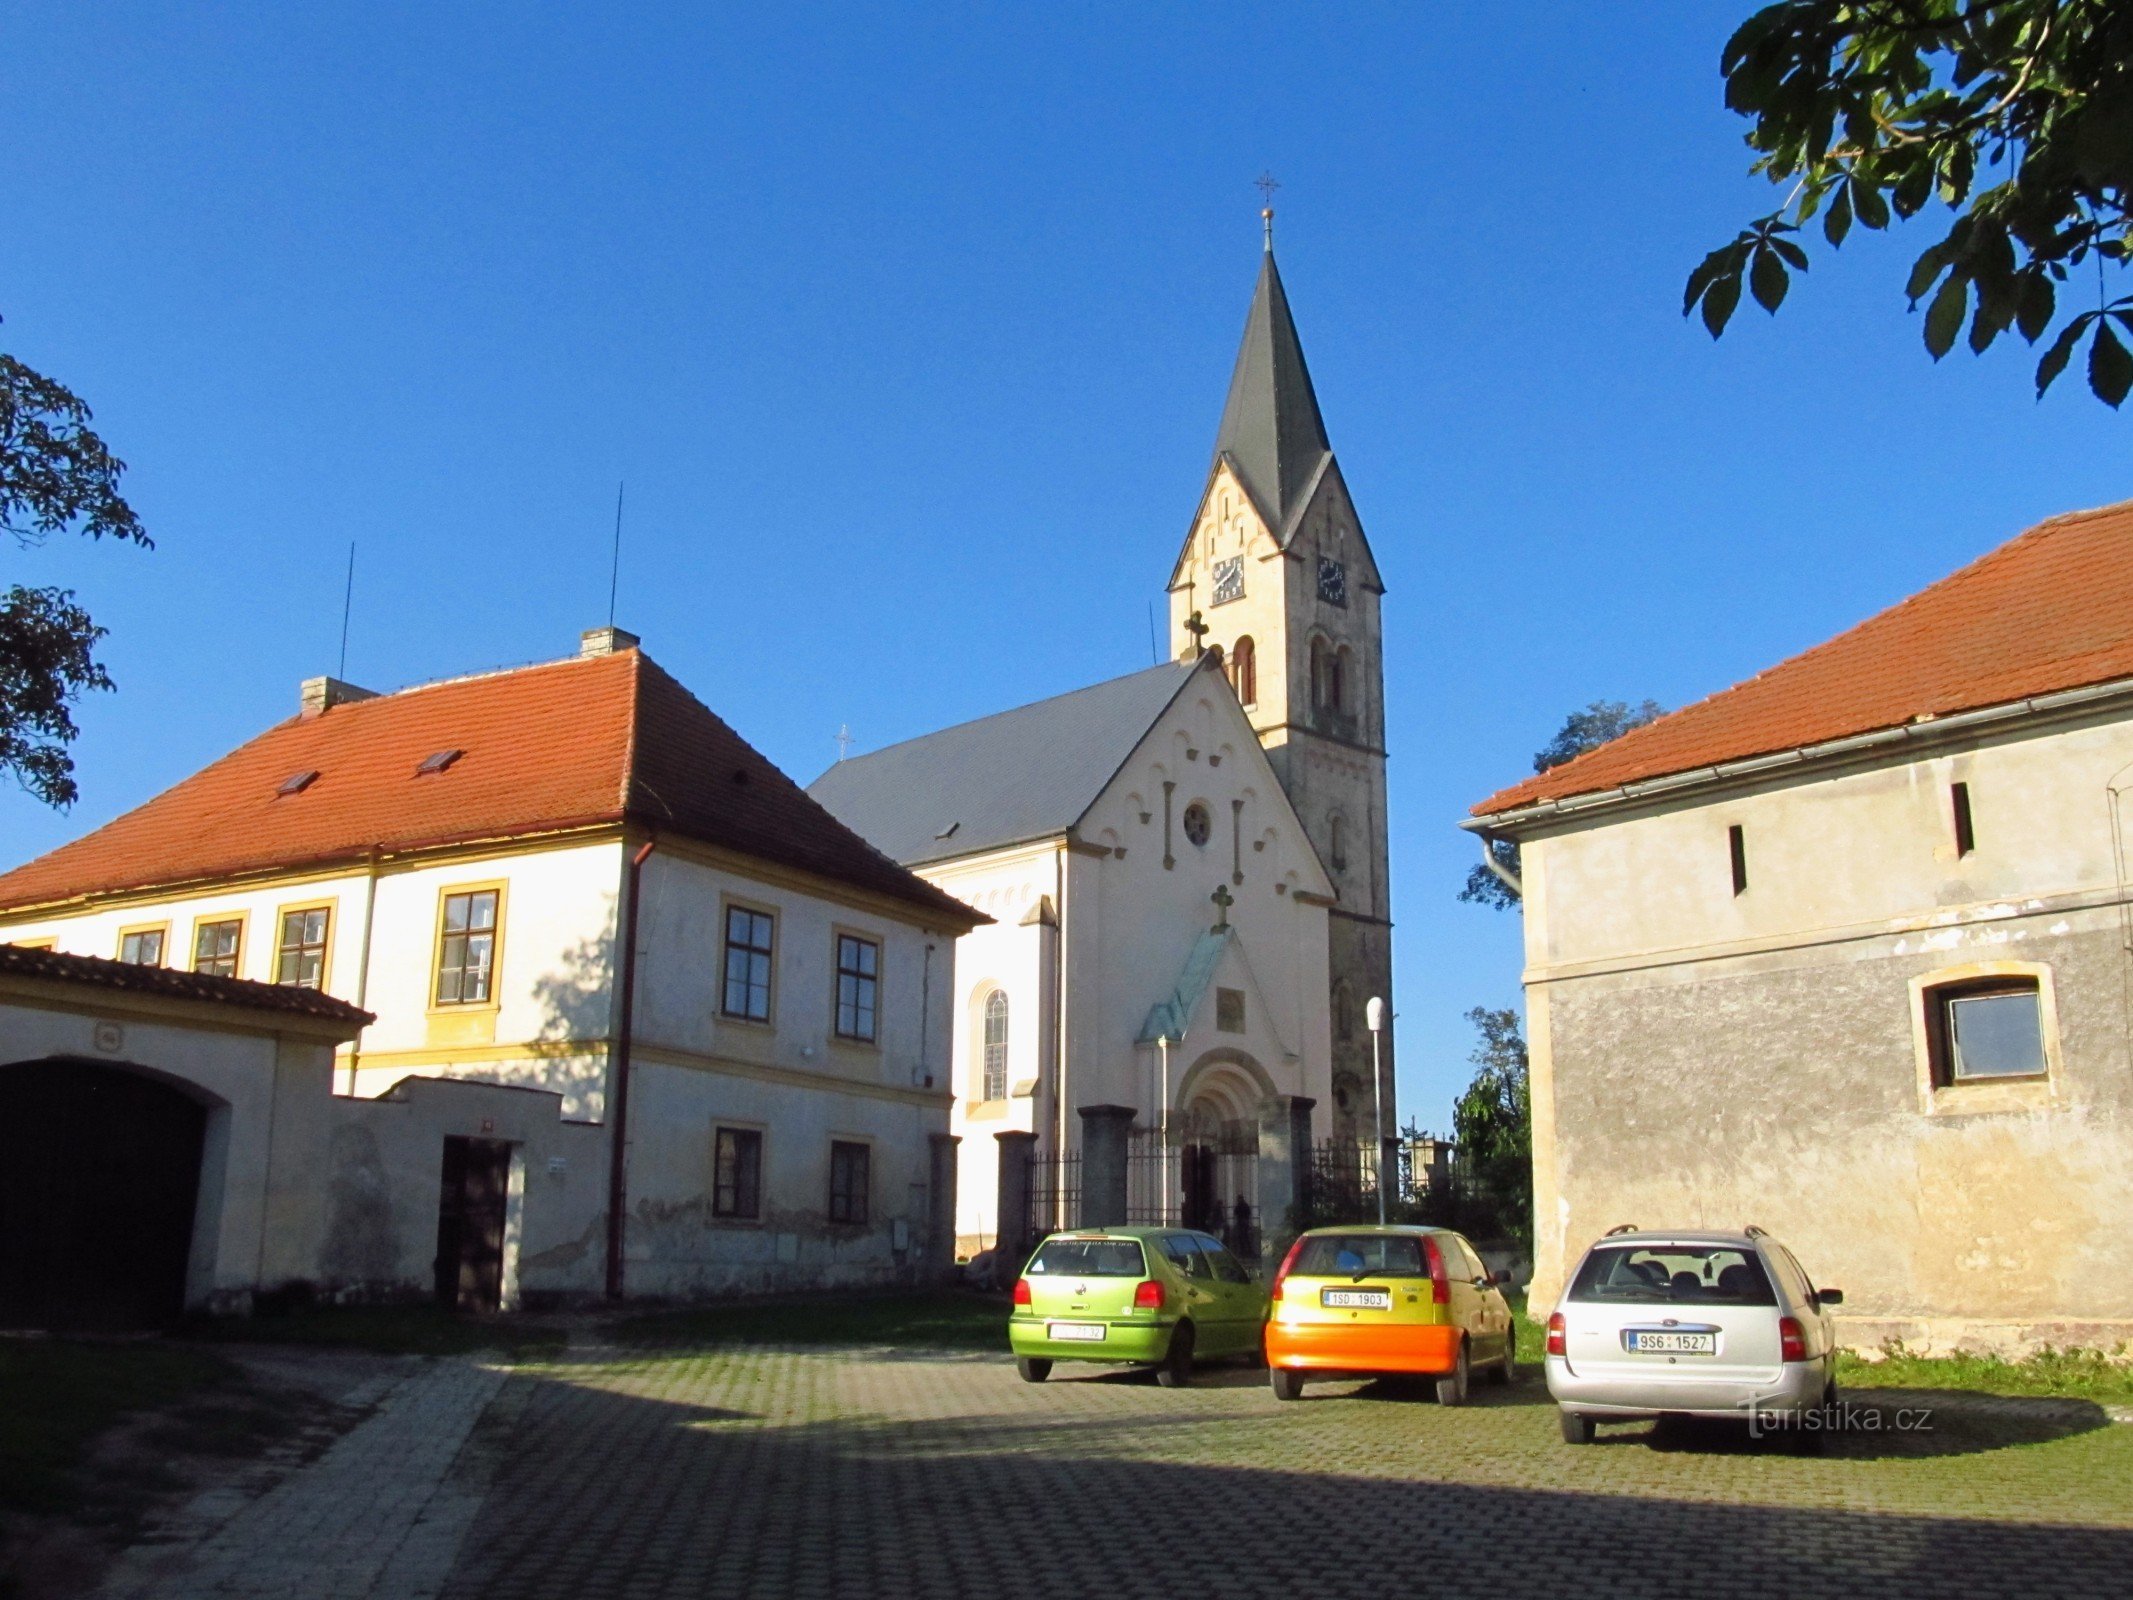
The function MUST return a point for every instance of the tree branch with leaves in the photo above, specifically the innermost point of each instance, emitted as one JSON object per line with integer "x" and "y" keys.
{"x": 2014, "y": 115}
{"x": 1582, "y": 730}
{"x": 56, "y": 476}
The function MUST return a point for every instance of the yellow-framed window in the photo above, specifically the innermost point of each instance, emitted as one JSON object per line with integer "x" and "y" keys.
{"x": 300, "y": 951}
{"x": 143, "y": 947}
{"x": 218, "y": 947}
{"x": 466, "y": 948}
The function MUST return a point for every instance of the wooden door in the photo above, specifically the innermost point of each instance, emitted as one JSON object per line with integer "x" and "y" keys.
{"x": 470, "y": 1223}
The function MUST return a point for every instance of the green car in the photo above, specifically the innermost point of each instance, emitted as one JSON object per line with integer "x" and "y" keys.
{"x": 1160, "y": 1297}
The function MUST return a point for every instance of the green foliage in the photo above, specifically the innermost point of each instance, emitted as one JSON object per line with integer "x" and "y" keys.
{"x": 57, "y": 1395}
{"x": 942, "y": 1321}
{"x": 56, "y": 476}
{"x": 1492, "y": 1124}
{"x": 1581, "y": 731}
{"x": 2071, "y": 1374}
{"x": 2014, "y": 115}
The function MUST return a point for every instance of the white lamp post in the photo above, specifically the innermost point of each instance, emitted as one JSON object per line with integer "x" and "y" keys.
{"x": 1374, "y": 1017}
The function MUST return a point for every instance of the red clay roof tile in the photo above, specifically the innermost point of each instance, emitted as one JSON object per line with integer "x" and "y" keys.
{"x": 2050, "y": 610}
{"x": 591, "y": 740}
{"x": 172, "y": 984}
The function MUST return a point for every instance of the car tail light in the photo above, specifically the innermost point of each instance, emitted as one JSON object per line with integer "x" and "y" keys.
{"x": 1022, "y": 1291}
{"x": 1792, "y": 1339}
{"x": 1440, "y": 1285}
{"x": 1148, "y": 1296}
{"x": 1287, "y": 1262}
{"x": 1555, "y": 1334}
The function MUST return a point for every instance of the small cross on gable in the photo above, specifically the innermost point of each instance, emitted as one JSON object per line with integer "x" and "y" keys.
{"x": 1223, "y": 900}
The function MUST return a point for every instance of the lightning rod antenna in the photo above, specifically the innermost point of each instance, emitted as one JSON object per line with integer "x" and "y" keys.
{"x": 614, "y": 566}
{"x": 347, "y": 603}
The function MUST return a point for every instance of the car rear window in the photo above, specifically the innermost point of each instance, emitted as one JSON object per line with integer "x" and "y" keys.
{"x": 1088, "y": 1258}
{"x": 1348, "y": 1255}
{"x": 1673, "y": 1274}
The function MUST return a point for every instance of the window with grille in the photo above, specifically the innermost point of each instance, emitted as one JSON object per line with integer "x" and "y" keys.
{"x": 466, "y": 948}
{"x": 737, "y": 1178}
{"x": 300, "y": 953}
{"x": 216, "y": 947}
{"x": 749, "y": 937}
{"x": 858, "y": 987}
{"x": 142, "y": 948}
{"x": 848, "y": 1182}
{"x": 995, "y": 1046}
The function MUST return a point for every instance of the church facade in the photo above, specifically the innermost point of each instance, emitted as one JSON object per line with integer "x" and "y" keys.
{"x": 1185, "y": 868}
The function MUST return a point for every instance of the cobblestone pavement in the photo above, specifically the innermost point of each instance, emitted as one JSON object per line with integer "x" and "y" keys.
{"x": 380, "y": 1514}
{"x": 819, "y": 1473}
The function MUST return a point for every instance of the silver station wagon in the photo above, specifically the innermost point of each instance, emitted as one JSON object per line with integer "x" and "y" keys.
{"x": 1690, "y": 1324}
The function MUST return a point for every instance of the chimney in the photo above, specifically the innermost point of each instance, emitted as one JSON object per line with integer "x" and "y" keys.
{"x": 320, "y": 695}
{"x": 606, "y": 641}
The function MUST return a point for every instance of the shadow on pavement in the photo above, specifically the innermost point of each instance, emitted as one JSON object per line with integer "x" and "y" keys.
{"x": 602, "y": 1491}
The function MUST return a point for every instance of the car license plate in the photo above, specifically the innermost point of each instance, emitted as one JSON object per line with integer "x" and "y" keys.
{"x": 1652, "y": 1341}
{"x": 1356, "y": 1299}
{"x": 1092, "y": 1332}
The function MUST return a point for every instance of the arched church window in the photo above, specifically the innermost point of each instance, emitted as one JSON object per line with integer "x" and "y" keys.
{"x": 1337, "y": 679}
{"x": 1318, "y": 672}
{"x": 1337, "y": 840}
{"x": 1343, "y": 1012}
{"x": 995, "y": 1046}
{"x": 1244, "y": 671}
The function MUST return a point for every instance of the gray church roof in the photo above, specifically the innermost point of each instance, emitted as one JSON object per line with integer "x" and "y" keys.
{"x": 1006, "y": 779}
{"x": 1271, "y": 428}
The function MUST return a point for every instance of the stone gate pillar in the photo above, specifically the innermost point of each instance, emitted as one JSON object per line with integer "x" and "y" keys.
{"x": 1105, "y": 1136}
{"x": 1284, "y": 1171}
{"x": 1018, "y": 1154}
{"x": 941, "y": 1204}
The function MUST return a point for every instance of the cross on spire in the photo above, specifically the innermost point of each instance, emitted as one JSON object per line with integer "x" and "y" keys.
{"x": 1266, "y": 186}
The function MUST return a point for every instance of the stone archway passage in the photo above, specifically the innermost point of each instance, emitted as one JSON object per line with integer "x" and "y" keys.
{"x": 99, "y": 1174}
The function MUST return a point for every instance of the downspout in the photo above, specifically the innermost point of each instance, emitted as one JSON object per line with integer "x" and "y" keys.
{"x": 1059, "y": 1014}
{"x": 1503, "y": 874}
{"x": 370, "y": 917}
{"x": 619, "y": 1112}
{"x": 925, "y": 1020}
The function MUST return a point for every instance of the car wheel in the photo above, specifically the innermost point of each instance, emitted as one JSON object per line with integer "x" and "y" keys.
{"x": 1176, "y": 1370}
{"x": 1576, "y": 1429}
{"x": 1034, "y": 1369}
{"x": 1506, "y": 1372}
{"x": 1451, "y": 1389}
{"x": 1286, "y": 1382}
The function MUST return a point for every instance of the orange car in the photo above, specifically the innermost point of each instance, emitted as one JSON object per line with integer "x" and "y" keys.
{"x": 1363, "y": 1301}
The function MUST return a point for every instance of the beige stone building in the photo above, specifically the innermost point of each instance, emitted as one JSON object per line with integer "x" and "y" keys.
{"x": 1846, "y": 951}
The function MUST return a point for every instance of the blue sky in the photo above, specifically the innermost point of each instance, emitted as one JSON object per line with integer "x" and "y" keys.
{"x": 909, "y": 329}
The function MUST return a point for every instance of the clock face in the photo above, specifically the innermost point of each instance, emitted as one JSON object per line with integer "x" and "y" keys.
{"x": 1229, "y": 580}
{"x": 1332, "y": 582}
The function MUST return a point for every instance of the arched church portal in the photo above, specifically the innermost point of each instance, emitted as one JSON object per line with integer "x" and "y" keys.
{"x": 1216, "y": 1130}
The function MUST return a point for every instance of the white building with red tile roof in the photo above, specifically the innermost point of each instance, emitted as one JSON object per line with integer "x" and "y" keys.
{"x": 1842, "y": 951}
{"x": 467, "y": 861}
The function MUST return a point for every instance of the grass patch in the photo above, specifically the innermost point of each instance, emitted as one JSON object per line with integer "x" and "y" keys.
{"x": 57, "y": 1395}
{"x": 2064, "y": 1374}
{"x": 411, "y": 1330}
{"x": 949, "y": 1322}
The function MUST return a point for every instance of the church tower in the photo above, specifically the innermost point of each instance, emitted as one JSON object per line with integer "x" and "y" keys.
{"x": 1276, "y": 574}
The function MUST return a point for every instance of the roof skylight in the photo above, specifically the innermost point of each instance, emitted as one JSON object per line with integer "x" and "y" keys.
{"x": 298, "y": 782}
{"x": 438, "y": 762}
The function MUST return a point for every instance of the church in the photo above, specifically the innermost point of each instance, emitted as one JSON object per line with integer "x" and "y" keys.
{"x": 1185, "y": 868}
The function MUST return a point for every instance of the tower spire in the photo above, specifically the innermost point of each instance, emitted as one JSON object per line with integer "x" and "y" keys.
{"x": 1271, "y": 430}
{"x": 1266, "y": 186}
